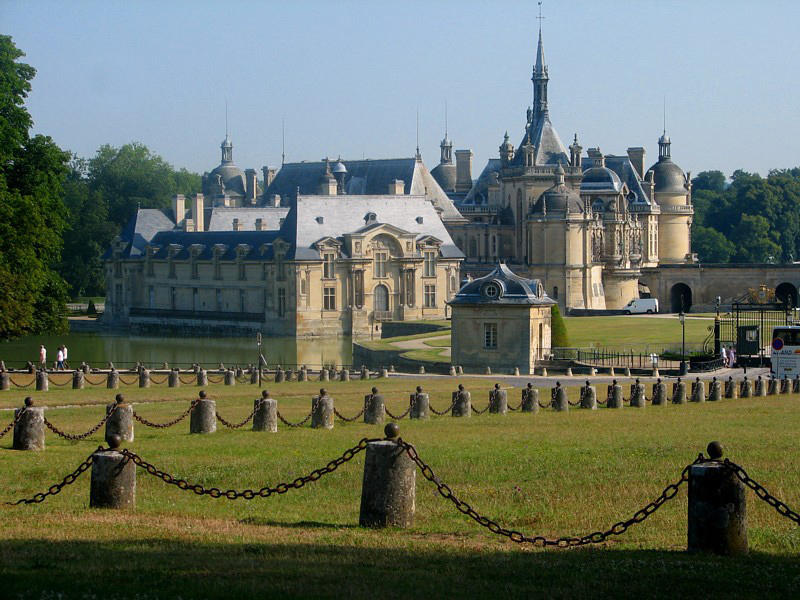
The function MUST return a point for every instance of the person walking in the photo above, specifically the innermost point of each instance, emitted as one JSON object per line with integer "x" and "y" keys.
{"x": 43, "y": 357}
{"x": 723, "y": 354}
{"x": 60, "y": 359}
{"x": 731, "y": 357}
{"x": 64, "y": 348}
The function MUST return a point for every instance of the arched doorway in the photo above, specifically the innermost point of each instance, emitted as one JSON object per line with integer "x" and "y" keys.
{"x": 680, "y": 298}
{"x": 380, "y": 299}
{"x": 786, "y": 293}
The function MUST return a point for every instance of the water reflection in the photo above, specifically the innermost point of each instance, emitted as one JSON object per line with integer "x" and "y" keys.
{"x": 122, "y": 350}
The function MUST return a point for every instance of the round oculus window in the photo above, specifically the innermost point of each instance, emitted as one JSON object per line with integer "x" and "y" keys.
{"x": 491, "y": 290}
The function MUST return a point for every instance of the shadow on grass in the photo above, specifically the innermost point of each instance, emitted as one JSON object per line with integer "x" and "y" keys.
{"x": 298, "y": 525}
{"x": 151, "y": 568}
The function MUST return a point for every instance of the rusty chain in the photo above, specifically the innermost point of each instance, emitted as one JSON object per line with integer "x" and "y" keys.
{"x": 230, "y": 425}
{"x": 174, "y": 421}
{"x": 185, "y": 382}
{"x": 14, "y": 421}
{"x": 211, "y": 379}
{"x": 82, "y": 436}
{"x": 351, "y": 419}
{"x": 90, "y": 382}
{"x": 57, "y": 487}
{"x": 122, "y": 380}
{"x": 248, "y": 494}
{"x": 24, "y": 386}
{"x": 445, "y": 411}
{"x": 162, "y": 382}
{"x": 548, "y": 405}
{"x": 290, "y": 424}
{"x": 401, "y": 416}
{"x": 55, "y": 383}
{"x": 480, "y": 412}
{"x": 562, "y": 542}
{"x": 781, "y": 507}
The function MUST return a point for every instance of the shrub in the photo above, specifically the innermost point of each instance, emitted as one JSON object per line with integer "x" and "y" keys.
{"x": 558, "y": 332}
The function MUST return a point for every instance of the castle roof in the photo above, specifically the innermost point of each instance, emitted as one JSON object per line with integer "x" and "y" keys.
{"x": 502, "y": 287}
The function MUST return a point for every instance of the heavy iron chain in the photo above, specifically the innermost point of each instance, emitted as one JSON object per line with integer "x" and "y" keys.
{"x": 14, "y": 422}
{"x": 55, "y": 383}
{"x": 157, "y": 382}
{"x": 264, "y": 492}
{"x": 24, "y": 386}
{"x": 480, "y": 412}
{"x": 562, "y": 542}
{"x": 548, "y": 405}
{"x": 290, "y": 424}
{"x": 57, "y": 487}
{"x": 230, "y": 425}
{"x": 445, "y": 411}
{"x": 122, "y": 380}
{"x": 782, "y": 508}
{"x": 351, "y": 419}
{"x": 82, "y": 436}
{"x": 211, "y": 379}
{"x": 187, "y": 382}
{"x": 515, "y": 408}
{"x": 243, "y": 379}
{"x": 90, "y": 382}
{"x": 401, "y": 416}
{"x": 174, "y": 421}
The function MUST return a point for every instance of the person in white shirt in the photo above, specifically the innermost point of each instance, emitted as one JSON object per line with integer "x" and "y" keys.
{"x": 723, "y": 355}
{"x": 60, "y": 360}
{"x": 66, "y": 364}
{"x": 43, "y": 356}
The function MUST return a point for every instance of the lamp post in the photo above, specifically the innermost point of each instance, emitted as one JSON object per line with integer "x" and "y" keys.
{"x": 682, "y": 318}
{"x": 258, "y": 360}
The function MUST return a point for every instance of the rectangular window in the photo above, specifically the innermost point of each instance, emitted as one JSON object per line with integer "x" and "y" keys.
{"x": 172, "y": 268}
{"x": 429, "y": 264}
{"x": 329, "y": 298}
{"x": 194, "y": 269}
{"x": 117, "y": 269}
{"x": 380, "y": 264}
{"x": 430, "y": 296}
{"x": 151, "y": 297}
{"x": 150, "y": 272}
{"x": 172, "y": 294}
{"x": 281, "y": 302}
{"x": 242, "y": 272}
{"x": 490, "y": 336}
{"x": 194, "y": 298}
{"x": 359, "y": 288}
{"x": 327, "y": 265}
{"x": 410, "y": 288}
{"x": 217, "y": 269}
{"x": 281, "y": 276}
{"x": 242, "y": 301}
{"x": 218, "y": 295}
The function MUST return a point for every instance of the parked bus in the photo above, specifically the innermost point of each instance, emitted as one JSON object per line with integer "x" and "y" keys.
{"x": 786, "y": 351}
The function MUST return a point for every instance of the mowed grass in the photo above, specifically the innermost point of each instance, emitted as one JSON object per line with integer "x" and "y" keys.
{"x": 622, "y": 331}
{"x": 548, "y": 473}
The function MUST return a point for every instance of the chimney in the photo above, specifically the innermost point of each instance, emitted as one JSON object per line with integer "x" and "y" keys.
{"x": 269, "y": 176}
{"x": 397, "y": 187}
{"x": 251, "y": 189}
{"x": 260, "y": 224}
{"x": 197, "y": 212}
{"x": 237, "y": 226}
{"x": 179, "y": 208}
{"x": 637, "y": 158}
{"x": 463, "y": 170}
{"x": 274, "y": 200}
{"x": 188, "y": 225}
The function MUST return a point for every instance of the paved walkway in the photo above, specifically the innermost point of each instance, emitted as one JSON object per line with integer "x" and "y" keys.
{"x": 419, "y": 344}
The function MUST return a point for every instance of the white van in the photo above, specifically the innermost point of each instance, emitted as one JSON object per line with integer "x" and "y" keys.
{"x": 641, "y": 305}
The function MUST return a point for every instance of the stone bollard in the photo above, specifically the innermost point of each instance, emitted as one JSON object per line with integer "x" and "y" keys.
{"x": 761, "y": 389}
{"x": 460, "y": 370}
{"x": 2, "y": 366}
{"x": 659, "y": 393}
{"x": 86, "y": 368}
{"x": 29, "y": 429}
{"x": 589, "y": 397}
{"x": 422, "y": 369}
{"x": 238, "y": 371}
{"x": 78, "y": 380}
{"x": 698, "y": 391}
{"x": 611, "y": 371}
{"x": 592, "y": 371}
{"x": 364, "y": 372}
{"x": 324, "y": 375}
{"x": 388, "y": 489}
{"x": 731, "y": 389}
{"x": 204, "y": 416}
{"x": 290, "y": 375}
{"x": 384, "y": 373}
{"x": 452, "y": 371}
{"x": 29, "y": 368}
{"x": 530, "y": 399}
{"x": 202, "y": 377}
{"x": 746, "y": 388}
{"x": 715, "y": 390}
{"x": 112, "y": 380}
{"x": 498, "y": 401}
{"x": 488, "y": 370}
{"x": 569, "y": 372}
{"x": 5, "y": 382}
{"x": 391, "y": 368}
{"x": 638, "y": 395}
{"x": 113, "y": 478}
{"x": 280, "y": 376}
{"x": 614, "y": 399}
{"x": 174, "y": 378}
{"x": 42, "y": 381}
{"x": 265, "y": 417}
{"x": 543, "y": 372}
{"x": 420, "y": 404}
{"x": 374, "y": 408}
{"x": 302, "y": 375}
{"x": 627, "y": 372}
{"x": 796, "y": 385}
{"x": 785, "y": 385}
{"x": 344, "y": 375}
{"x": 717, "y": 508}
{"x": 679, "y": 392}
{"x": 254, "y": 376}
{"x": 655, "y": 372}
{"x": 462, "y": 403}
{"x": 559, "y": 398}
{"x": 144, "y": 378}
{"x": 120, "y": 422}
{"x": 322, "y": 411}
{"x": 772, "y": 386}
{"x": 230, "y": 377}
{"x": 516, "y": 371}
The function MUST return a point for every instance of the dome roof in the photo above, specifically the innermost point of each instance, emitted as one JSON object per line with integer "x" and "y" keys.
{"x": 502, "y": 286}
{"x": 232, "y": 177}
{"x": 559, "y": 197}
{"x": 339, "y": 168}
{"x": 668, "y": 177}
{"x": 445, "y": 176}
{"x": 600, "y": 179}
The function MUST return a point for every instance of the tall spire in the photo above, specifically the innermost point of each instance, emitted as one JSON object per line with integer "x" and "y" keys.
{"x": 540, "y": 76}
{"x": 664, "y": 141}
{"x": 227, "y": 145}
{"x": 446, "y": 147}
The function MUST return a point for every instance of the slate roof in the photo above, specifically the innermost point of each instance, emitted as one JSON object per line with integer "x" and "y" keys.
{"x": 221, "y": 218}
{"x": 514, "y": 290}
{"x": 550, "y": 150}
{"x": 142, "y": 227}
{"x": 303, "y": 226}
{"x": 479, "y": 192}
{"x": 364, "y": 177}
{"x": 622, "y": 166}
{"x": 208, "y": 239}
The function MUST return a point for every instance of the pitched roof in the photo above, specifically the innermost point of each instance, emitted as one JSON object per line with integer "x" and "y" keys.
{"x": 142, "y": 227}
{"x": 550, "y": 150}
{"x": 504, "y": 287}
{"x": 222, "y": 217}
{"x": 478, "y": 194}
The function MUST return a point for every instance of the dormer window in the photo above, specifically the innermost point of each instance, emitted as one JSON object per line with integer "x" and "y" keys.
{"x": 328, "y": 270}
{"x": 370, "y": 217}
{"x": 429, "y": 263}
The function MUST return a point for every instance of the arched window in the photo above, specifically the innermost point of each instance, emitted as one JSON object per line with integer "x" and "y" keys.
{"x": 380, "y": 299}
{"x": 555, "y": 292}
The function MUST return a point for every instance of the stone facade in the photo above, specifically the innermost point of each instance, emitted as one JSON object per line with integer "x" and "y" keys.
{"x": 501, "y": 321}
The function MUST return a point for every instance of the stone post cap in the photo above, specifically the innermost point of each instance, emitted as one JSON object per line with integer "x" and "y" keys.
{"x": 28, "y": 401}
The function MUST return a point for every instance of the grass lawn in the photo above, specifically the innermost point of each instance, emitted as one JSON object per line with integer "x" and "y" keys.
{"x": 546, "y": 473}
{"x": 633, "y": 331}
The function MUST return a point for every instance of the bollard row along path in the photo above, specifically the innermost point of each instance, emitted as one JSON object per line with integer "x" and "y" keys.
{"x": 716, "y": 510}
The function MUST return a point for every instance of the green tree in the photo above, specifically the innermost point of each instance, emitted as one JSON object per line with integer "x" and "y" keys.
{"x": 711, "y": 245}
{"x": 754, "y": 245}
{"x": 32, "y": 214}
{"x": 713, "y": 181}
{"x": 558, "y": 329}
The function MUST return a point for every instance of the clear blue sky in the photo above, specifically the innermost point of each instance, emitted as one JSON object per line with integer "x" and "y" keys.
{"x": 348, "y": 77}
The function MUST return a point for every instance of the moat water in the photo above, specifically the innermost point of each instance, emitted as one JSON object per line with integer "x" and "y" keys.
{"x": 123, "y": 350}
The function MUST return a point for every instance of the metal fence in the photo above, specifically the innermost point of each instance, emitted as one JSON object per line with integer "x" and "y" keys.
{"x": 748, "y": 327}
